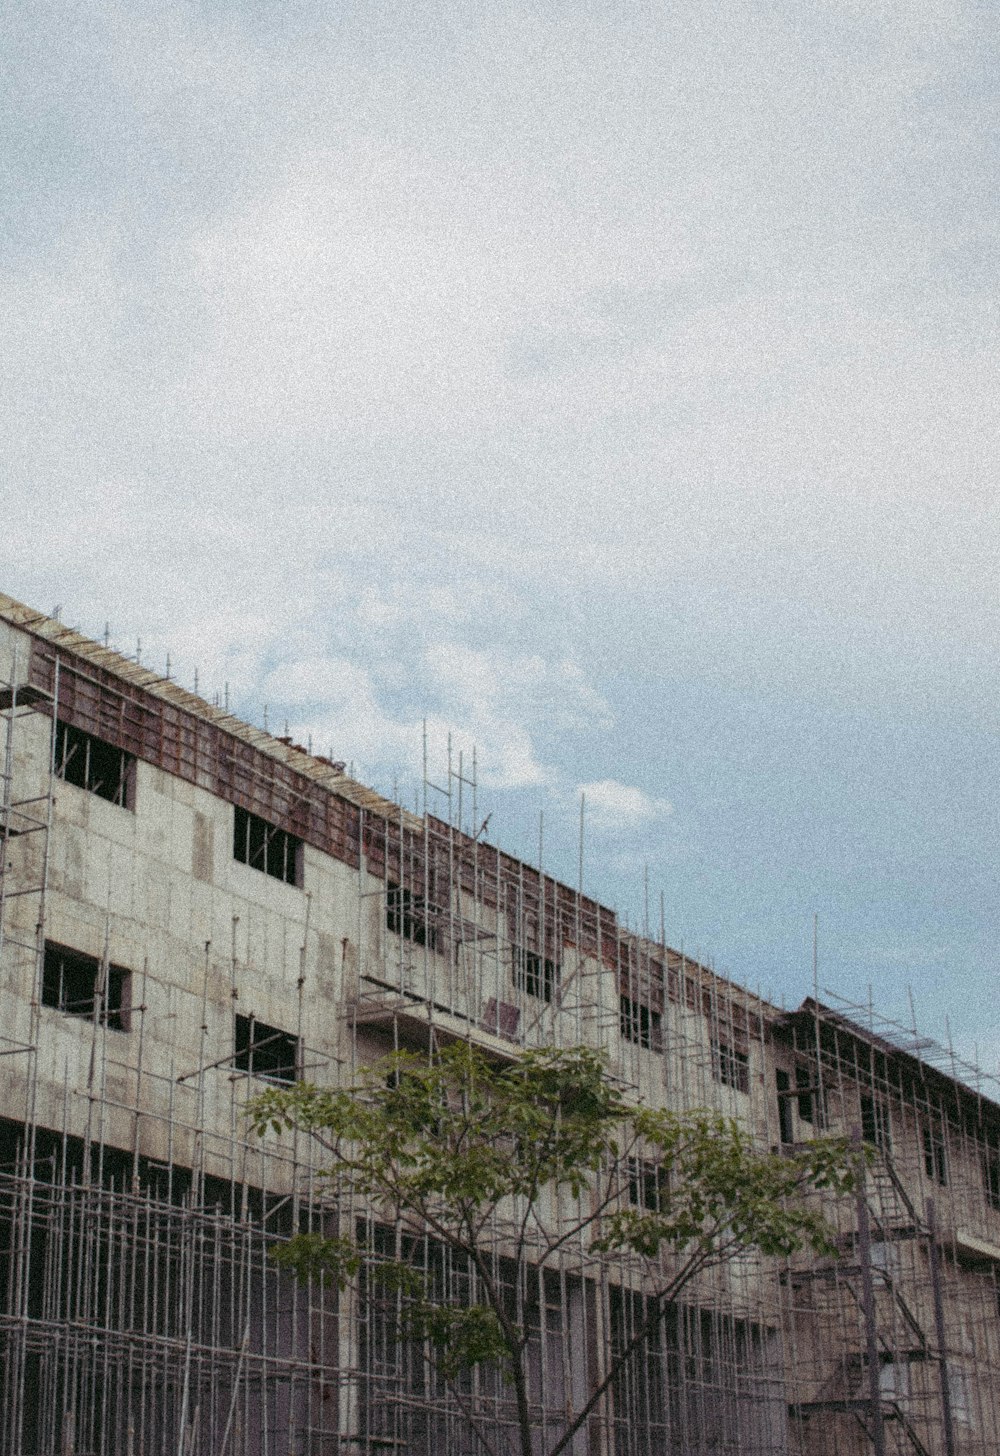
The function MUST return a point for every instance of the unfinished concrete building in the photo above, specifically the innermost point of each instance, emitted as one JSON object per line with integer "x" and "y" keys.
{"x": 191, "y": 909}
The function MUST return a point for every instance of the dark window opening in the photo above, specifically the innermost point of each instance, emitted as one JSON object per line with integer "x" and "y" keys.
{"x": 265, "y": 1051}
{"x": 645, "y": 1184}
{"x": 875, "y": 1123}
{"x": 640, "y": 1024}
{"x": 535, "y": 974}
{"x": 991, "y": 1178}
{"x": 730, "y": 1066}
{"x": 935, "y": 1162}
{"x": 74, "y": 983}
{"x": 808, "y": 1097}
{"x": 265, "y": 847}
{"x": 91, "y": 764}
{"x": 783, "y": 1083}
{"x": 406, "y": 915}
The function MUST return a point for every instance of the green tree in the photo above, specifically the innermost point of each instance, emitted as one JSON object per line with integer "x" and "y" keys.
{"x": 537, "y": 1155}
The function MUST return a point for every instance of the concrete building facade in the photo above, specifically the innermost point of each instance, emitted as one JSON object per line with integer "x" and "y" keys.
{"x": 191, "y": 910}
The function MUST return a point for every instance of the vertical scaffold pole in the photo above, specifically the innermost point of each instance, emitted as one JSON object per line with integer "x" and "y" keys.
{"x": 935, "y": 1262}
{"x": 868, "y": 1305}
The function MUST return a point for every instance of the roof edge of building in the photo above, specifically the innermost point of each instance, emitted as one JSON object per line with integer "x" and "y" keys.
{"x": 321, "y": 771}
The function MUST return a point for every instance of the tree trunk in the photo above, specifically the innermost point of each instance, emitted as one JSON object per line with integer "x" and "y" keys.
{"x": 523, "y": 1409}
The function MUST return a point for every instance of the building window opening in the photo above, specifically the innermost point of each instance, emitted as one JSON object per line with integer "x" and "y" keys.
{"x": 783, "y": 1084}
{"x": 640, "y": 1024}
{"x": 91, "y": 764}
{"x": 875, "y": 1123}
{"x": 264, "y": 847}
{"x": 991, "y": 1179}
{"x": 808, "y": 1097}
{"x": 935, "y": 1161}
{"x": 534, "y": 974}
{"x": 645, "y": 1184}
{"x": 265, "y": 1051}
{"x": 731, "y": 1066}
{"x": 74, "y": 983}
{"x": 406, "y": 915}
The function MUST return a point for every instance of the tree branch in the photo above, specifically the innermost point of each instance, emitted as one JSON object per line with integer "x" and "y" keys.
{"x": 661, "y": 1301}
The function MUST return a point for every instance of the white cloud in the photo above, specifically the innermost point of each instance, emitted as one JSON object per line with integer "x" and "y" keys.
{"x": 491, "y": 683}
{"x": 517, "y": 367}
{"x": 345, "y": 706}
{"x": 490, "y": 705}
{"x": 381, "y": 744}
{"x": 307, "y": 681}
{"x": 336, "y": 704}
{"x": 611, "y": 806}
{"x": 482, "y": 295}
{"x": 389, "y": 605}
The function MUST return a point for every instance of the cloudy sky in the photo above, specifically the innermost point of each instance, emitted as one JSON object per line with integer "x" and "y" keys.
{"x": 612, "y": 386}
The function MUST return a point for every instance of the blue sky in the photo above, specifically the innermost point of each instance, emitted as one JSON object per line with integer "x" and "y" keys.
{"x": 612, "y": 387}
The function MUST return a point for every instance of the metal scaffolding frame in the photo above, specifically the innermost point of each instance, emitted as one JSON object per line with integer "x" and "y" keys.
{"x": 140, "y": 1311}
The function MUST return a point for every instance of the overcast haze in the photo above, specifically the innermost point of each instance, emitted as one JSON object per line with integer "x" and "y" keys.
{"x": 613, "y": 386}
